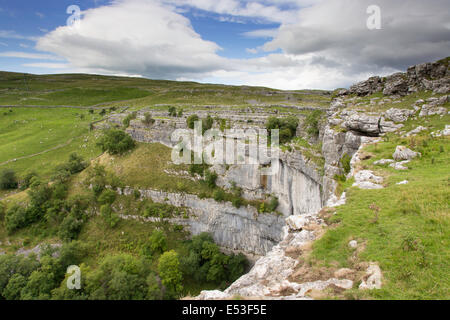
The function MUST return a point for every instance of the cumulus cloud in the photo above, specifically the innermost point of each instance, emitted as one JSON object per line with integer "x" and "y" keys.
{"x": 134, "y": 37}
{"x": 320, "y": 43}
{"x": 412, "y": 31}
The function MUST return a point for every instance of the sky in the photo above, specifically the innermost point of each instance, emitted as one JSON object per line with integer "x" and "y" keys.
{"x": 283, "y": 44}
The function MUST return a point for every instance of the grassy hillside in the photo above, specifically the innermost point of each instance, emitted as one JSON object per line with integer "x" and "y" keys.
{"x": 405, "y": 228}
{"x": 89, "y": 90}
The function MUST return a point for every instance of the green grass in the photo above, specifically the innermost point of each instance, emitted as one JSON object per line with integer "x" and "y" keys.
{"x": 88, "y": 90}
{"x": 52, "y": 134}
{"x": 410, "y": 238}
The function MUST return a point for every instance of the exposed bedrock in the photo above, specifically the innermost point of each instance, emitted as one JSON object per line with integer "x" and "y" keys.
{"x": 233, "y": 228}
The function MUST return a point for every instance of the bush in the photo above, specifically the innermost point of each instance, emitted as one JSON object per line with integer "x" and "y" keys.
{"x": 116, "y": 142}
{"x": 70, "y": 227}
{"x": 345, "y": 163}
{"x": 287, "y": 127}
{"x": 8, "y": 180}
{"x": 108, "y": 196}
{"x": 219, "y": 195}
{"x": 25, "y": 182}
{"x": 158, "y": 242}
{"x": 237, "y": 202}
{"x": 16, "y": 218}
{"x": 273, "y": 204}
{"x": 110, "y": 217}
{"x": 148, "y": 120}
{"x": 210, "y": 179}
{"x": 127, "y": 120}
{"x": 207, "y": 123}
{"x": 312, "y": 123}
{"x": 172, "y": 111}
{"x": 190, "y": 121}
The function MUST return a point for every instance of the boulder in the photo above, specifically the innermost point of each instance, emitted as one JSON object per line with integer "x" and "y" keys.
{"x": 373, "y": 278}
{"x": 399, "y": 115}
{"x": 383, "y": 162}
{"x": 403, "y": 153}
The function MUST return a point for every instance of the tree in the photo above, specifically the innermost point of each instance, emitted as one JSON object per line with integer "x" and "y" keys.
{"x": 119, "y": 277}
{"x": 110, "y": 217}
{"x": 70, "y": 227}
{"x": 8, "y": 180}
{"x": 116, "y": 142}
{"x": 158, "y": 242}
{"x": 312, "y": 123}
{"x": 169, "y": 269}
{"x": 172, "y": 111}
{"x": 108, "y": 196}
{"x": 14, "y": 287}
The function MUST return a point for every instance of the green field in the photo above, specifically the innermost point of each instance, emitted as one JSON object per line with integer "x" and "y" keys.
{"x": 91, "y": 90}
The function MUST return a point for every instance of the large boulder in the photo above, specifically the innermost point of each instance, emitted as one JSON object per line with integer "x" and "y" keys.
{"x": 399, "y": 115}
{"x": 403, "y": 153}
{"x": 369, "y": 125}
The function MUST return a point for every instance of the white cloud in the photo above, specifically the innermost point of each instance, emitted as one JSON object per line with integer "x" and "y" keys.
{"x": 10, "y": 34}
{"x": 134, "y": 37}
{"x": 27, "y": 55}
{"x": 412, "y": 31}
{"x": 43, "y": 65}
{"x": 320, "y": 44}
{"x": 261, "y": 33}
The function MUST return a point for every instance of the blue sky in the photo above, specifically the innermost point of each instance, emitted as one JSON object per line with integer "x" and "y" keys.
{"x": 286, "y": 44}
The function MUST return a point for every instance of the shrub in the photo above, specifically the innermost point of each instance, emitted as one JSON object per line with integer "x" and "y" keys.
{"x": 207, "y": 123}
{"x": 312, "y": 123}
{"x": 273, "y": 204}
{"x": 8, "y": 180}
{"x": 237, "y": 202}
{"x": 128, "y": 118}
{"x": 25, "y": 182}
{"x": 116, "y": 142}
{"x": 158, "y": 242}
{"x": 172, "y": 111}
{"x": 345, "y": 163}
{"x": 108, "y": 196}
{"x": 16, "y": 218}
{"x": 287, "y": 127}
{"x": 110, "y": 217}
{"x": 148, "y": 120}
{"x": 219, "y": 195}
{"x": 210, "y": 179}
{"x": 70, "y": 227}
{"x": 190, "y": 121}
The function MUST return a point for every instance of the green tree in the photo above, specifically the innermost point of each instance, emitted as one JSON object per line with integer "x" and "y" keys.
{"x": 169, "y": 269}
{"x": 14, "y": 287}
{"x": 110, "y": 217}
{"x": 116, "y": 142}
{"x": 8, "y": 180}
{"x": 108, "y": 196}
{"x": 148, "y": 120}
{"x": 158, "y": 241}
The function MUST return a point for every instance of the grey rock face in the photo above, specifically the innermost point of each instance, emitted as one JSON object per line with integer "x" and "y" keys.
{"x": 396, "y": 84}
{"x": 232, "y": 228}
{"x": 372, "y": 85}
